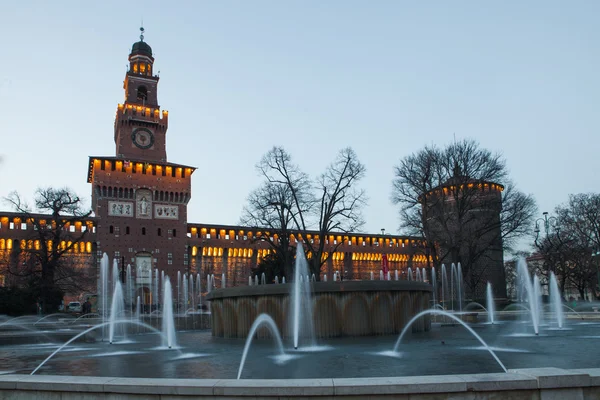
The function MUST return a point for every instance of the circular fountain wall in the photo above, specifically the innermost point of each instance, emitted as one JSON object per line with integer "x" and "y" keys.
{"x": 348, "y": 308}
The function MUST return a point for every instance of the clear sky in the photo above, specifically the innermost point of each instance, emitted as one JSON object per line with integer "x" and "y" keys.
{"x": 384, "y": 77}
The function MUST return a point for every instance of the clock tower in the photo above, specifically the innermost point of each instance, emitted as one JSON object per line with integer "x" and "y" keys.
{"x": 140, "y": 126}
{"x": 139, "y": 198}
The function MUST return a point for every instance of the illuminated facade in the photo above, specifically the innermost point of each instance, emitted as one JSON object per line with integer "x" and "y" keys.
{"x": 140, "y": 202}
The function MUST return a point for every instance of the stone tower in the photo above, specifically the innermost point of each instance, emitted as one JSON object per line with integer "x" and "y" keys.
{"x": 462, "y": 216}
{"x": 139, "y": 198}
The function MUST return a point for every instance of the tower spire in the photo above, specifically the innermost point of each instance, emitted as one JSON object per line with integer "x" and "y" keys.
{"x": 142, "y": 32}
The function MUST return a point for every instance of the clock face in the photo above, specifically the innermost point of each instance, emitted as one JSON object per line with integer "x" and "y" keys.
{"x": 142, "y": 138}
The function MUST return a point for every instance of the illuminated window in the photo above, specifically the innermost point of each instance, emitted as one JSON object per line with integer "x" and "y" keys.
{"x": 135, "y": 68}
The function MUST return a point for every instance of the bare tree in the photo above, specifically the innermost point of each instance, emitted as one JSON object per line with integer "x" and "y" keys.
{"x": 339, "y": 207}
{"x": 454, "y": 198}
{"x": 277, "y": 206}
{"x": 47, "y": 259}
{"x": 289, "y": 202}
{"x": 569, "y": 245}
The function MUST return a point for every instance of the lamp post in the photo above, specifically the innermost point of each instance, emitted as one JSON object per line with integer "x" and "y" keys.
{"x": 549, "y": 222}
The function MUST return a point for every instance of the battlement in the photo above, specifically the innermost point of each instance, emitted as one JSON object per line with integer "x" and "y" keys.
{"x": 143, "y": 114}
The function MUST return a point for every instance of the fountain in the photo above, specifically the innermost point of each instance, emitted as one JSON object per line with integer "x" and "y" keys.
{"x": 301, "y": 304}
{"x": 455, "y": 318}
{"x": 266, "y": 320}
{"x": 103, "y": 290}
{"x": 337, "y": 312}
{"x": 556, "y": 301}
{"x": 117, "y": 310}
{"x": 168, "y": 323}
{"x": 490, "y": 303}
{"x": 254, "y": 358}
{"x": 525, "y": 288}
{"x": 433, "y": 285}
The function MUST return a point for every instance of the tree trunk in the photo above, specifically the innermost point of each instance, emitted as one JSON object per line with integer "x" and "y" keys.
{"x": 47, "y": 289}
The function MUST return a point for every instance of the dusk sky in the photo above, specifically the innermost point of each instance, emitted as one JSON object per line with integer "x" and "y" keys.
{"x": 237, "y": 77}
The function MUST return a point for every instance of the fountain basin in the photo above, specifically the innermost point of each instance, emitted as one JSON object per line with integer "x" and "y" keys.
{"x": 531, "y": 383}
{"x": 349, "y": 308}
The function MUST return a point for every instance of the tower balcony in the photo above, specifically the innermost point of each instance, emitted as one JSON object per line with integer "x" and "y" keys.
{"x": 141, "y": 113}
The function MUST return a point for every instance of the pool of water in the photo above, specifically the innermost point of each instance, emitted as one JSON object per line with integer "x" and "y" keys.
{"x": 446, "y": 349}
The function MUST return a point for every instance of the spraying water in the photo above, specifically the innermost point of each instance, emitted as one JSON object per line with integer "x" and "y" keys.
{"x": 410, "y": 275}
{"x": 184, "y": 295}
{"x": 102, "y": 325}
{"x": 116, "y": 310}
{"x": 129, "y": 288}
{"x": 262, "y": 319}
{"x": 223, "y": 280}
{"x": 191, "y": 288}
{"x": 115, "y": 273}
{"x": 301, "y": 299}
{"x": 434, "y": 285}
{"x": 138, "y": 309}
{"x": 396, "y": 274}
{"x": 449, "y": 315}
{"x": 155, "y": 290}
{"x": 556, "y": 301}
{"x": 459, "y": 286}
{"x": 491, "y": 309}
{"x": 444, "y": 285}
{"x": 526, "y": 289}
{"x": 199, "y": 289}
{"x": 168, "y": 322}
{"x": 104, "y": 291}
{"x": 537, "y": 295}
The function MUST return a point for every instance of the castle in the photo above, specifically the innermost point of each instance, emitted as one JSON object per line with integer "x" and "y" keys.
{"x": 139, "y": 204}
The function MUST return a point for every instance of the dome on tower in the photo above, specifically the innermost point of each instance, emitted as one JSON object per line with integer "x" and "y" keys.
{"x": 141, "y": 48}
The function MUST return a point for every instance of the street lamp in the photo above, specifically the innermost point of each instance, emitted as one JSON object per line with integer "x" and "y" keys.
{"x": 549, "y": 222}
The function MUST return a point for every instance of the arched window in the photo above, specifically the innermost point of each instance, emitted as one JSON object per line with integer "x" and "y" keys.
{"x": 159, "y": 232}
{"x": 127, "y": 230}
{"x": 142, "y": 94}
{"x": 143, "y": 231}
